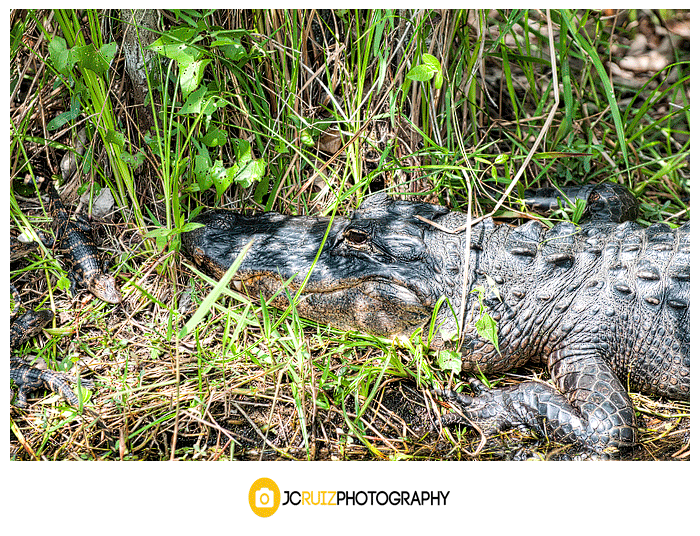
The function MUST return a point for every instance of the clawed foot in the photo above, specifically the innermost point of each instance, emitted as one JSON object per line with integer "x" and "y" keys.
{"x": 489, "y": 410}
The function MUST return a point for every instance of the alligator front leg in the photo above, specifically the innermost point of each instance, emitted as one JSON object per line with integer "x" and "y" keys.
{"x": 30, "y": 379}
{"x": 591, "y": 407}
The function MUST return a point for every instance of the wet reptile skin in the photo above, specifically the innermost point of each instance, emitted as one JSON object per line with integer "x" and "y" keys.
{"x": 604, "y": 306}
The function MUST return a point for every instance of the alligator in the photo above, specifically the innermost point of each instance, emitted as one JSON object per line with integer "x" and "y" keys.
{"x": 75, "y": 241}
{"x": 29, "y": 378}
{"x": 604, "y": 305}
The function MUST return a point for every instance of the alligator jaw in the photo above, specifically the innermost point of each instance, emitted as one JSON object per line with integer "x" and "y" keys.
{"x": 375, "y": 306}
{"x": 346, "y": 291}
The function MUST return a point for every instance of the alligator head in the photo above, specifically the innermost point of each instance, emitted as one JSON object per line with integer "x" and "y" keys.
{"x": 375, "y": 272}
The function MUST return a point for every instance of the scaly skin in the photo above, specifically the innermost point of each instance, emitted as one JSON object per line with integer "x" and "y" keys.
{"x": 605, "y": 306}
{"x": 30, "y": 378}
{"x": 80, "y": 253}
{"x": 27, "y": 326}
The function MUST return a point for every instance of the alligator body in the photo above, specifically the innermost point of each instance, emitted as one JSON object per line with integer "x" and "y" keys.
{"x": 75, "y": 242}
{"x": 26, "y": 377}
{"x": 604, "y": 306}
{"x": 30, "y": 379}
{"x": 27, "y": 326}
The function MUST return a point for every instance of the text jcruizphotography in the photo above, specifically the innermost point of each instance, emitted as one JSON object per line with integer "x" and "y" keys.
{"x": 365, "y": 498}
{"x": 265, "y": 497}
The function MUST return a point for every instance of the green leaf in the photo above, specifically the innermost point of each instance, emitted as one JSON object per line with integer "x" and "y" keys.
{"x": 487, "y": 328}
{"x": 87, "y": 57}
{"x": 202, "y": 101}
{"x": 60, "y": 56}
{"x": 231, "y": 48}
{"x": 191, "y": 226}
{"x": 249, "y": 172}
{"x": 501, "y": 159}
{"x": 66, "y": 117}
{"x": 215, "y": 137}
{"x": 158, "y": 232}
{"x": 421, "y": 73}
{"x": 133, "y": 160}
{"x": 450, "y": 360}
{"x": 243, "y": 150}
{"x": 202, "y": 163}
{"x": 115, "y": 138}
{"x": 63, "y": 283}
{"x": 220, "y": 176}
{"x": 306, "y": 138}
{"x": 175, "y": 45}
{"x": 193, "y": 104}
{"x": 439, "y": 79}
{"x": 161, "y": 235}
{"x": 191, "y": 75}
{"x": 108, "y": 51}
{"x": 179, "y": 52}
{"x": 431, "y": 61}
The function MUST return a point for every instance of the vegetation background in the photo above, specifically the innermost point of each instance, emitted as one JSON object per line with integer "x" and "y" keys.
{"x": 148, "y": 117}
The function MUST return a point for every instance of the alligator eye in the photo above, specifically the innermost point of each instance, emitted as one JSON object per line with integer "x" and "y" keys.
{"x": 355, "y": 237}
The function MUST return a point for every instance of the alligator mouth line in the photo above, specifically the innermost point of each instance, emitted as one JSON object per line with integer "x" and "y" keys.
{"x": 316, "y": 288}
{"x": 371, "y": 305}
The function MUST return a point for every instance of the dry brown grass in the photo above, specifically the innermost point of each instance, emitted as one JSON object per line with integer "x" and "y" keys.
{"x": 251, "y": 382}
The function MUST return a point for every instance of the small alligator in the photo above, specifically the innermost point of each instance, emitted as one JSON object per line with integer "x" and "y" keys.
{"x": 78, "y": 247}
{"x": 26, "y": 377}
{"x": 605, "y": 305}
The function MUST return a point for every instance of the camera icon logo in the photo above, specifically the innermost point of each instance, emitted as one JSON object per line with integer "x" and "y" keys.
{"x": 264, "y": 497}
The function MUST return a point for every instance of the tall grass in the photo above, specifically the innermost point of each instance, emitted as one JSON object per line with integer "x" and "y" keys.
{"x": 304, "y": 112}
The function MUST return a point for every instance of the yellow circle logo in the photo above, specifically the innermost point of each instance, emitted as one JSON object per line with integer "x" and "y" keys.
{"x": 264, "y": 497}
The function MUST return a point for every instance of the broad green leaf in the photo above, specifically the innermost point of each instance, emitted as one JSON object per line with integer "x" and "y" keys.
{"x": 215, "y": 137}
{"x": 60, "y": 56}
{"x": 133, "y": 160}
{"x": 191, "y": 75}
{"x": 87, "y": 57}
{"x": 249, "y": 172}
{"x": 431, "y": 61}
{"x": 202, "y": 163}
{"x": 66, "y": 117}
{"x": 220, "y": 176}
{"x": 231, "y": 48}
{"x": 487, "y": 328}
{"x": 450, "y": 360}
{"x": 243, "y": 151}
{"x": 421, "y": 73}
{"x": 193, "y": 104}
{"x": 115, "y": 138}
{"x": 306, "y": 138}
{"x": 108, "y": 51}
